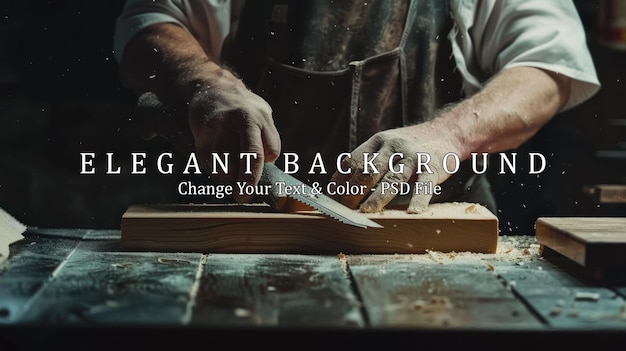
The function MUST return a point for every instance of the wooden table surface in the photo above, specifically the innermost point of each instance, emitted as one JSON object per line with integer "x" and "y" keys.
{"x": 73, "y": 284}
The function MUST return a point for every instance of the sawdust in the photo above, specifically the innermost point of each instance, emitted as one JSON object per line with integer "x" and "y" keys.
{"x": 513, "y": 249}
{"x": 343, "y": 262}
{"x": 435, "y": 304}
{"x": 510, "y": 249}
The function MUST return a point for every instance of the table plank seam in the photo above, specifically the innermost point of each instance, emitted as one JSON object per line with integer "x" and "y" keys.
{"x": 529, "y": 306}
{"x": 33, "y": 300}
{"x": 193, "y": 291}
{"x": 355, "y": 290}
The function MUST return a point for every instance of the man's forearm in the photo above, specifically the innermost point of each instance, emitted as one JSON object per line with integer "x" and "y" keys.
{"x": 507, "y": 112}
{"x": 223, "y": 116}
{"x": 167, "y": 60}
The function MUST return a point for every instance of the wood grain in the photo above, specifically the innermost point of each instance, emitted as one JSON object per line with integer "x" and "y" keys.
{"x": 31, "y": 265}
{"x": 256, "y": 228}
{"x": 562, "y": 300}
{"x": 96, "y": 285}
{"x": 276, "y": 290}
{"x": 409, "y": 291}
{"x": 593, "y": 242}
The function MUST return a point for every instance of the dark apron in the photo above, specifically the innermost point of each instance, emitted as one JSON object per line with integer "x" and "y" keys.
{"x": 337, "y": 72}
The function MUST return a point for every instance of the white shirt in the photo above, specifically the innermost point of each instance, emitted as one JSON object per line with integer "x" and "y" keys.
{"x": 487, "y": 37}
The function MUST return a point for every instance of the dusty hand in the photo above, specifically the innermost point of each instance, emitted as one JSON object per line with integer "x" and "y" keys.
{"x": 227, "y": 117}
{"x": 429, "y": 139}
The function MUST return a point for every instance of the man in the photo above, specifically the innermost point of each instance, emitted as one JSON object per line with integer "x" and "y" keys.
{"x": 406, "y": 80}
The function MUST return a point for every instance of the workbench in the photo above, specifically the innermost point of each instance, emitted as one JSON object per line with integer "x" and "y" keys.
{"x": 76, "y": 287}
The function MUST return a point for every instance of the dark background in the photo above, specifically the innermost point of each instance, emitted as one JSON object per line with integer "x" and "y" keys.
{"x": 60, "y": 95}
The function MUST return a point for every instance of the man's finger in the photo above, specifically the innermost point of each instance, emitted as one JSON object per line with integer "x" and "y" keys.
{"x": 252, "y": 142}
{"x": 354, "y": 163}
{"x": 271, "y": 143}
{"x": 383, "y": 194}
{"x": 419, "y": 201}
{"x": 369, "y": 180}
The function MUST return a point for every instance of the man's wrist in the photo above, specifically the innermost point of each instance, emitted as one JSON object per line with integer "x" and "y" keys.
{"x": 453, "y": 131}
{"x": 204, "y": 78}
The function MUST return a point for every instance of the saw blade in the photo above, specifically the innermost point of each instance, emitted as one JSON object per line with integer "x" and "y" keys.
{"x": 317, "y": 200}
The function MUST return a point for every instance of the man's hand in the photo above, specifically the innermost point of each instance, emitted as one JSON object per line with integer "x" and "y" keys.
{"x": 510, "y": 109}
{"x": 228, "y": 118}
{"x": 427, "y": 139}
{"x": 223, "y": 115}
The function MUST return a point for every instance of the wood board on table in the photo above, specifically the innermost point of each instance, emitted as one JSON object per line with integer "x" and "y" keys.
{"x": 596, "y": 243}
{"x": 257, "y": 228}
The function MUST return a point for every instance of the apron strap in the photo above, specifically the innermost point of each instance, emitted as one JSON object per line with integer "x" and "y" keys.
{"x": 411, "y": 17}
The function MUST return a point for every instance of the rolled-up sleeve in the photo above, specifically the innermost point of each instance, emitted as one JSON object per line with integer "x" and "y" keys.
{"x": 207, "y": 20}
{"x": 492, "y": 35}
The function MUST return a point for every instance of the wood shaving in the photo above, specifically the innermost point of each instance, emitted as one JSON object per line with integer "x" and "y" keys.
{"x": 587, "y": 296}
{"x": 436, "y": 256}
{"x": 343, "y": 262}
{"x": 122, "y": 265}
{"x": 242, "y": 312}
{"x": 471, "y": 209}
{"x": 555, "y": 312}
{"x": 164, "y": 260}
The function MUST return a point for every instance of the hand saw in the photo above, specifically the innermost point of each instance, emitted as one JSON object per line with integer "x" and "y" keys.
{"x": 303, "y": 193}
{"x": 151, "y": 117}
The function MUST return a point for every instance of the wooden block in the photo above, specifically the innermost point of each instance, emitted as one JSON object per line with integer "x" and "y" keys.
{"x": 607, "y": 193}
{"x": 256, "y": 228}
{"x": 593, "y": 242}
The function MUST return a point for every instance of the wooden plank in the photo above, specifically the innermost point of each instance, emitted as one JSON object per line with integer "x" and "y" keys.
{"x": 31, "y": 264}
{"x": 563, "y": 300}
{"x": 621, "y": 290}
{"x": 68, "y": 233}
{"x": 98, "y": 286}
{"x": 43, "y": 245}
{"x": 417, "y": 291}
{"x": 18, "y": 292}
{"x": 258, "y": 229}
{"x": 275, "y": 290}
{"x": 593, "y": 242}
{"x": 102, "y": 234}
{"x": 607, "y": 193}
